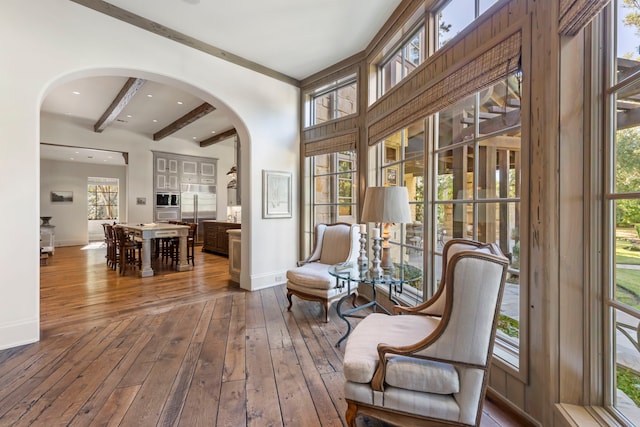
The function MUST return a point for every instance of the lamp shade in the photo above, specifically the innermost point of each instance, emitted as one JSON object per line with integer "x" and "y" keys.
{"x": 387, "y": 205}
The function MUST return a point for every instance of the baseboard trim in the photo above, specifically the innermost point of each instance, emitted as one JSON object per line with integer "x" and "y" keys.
{"x": 19, "y": 333}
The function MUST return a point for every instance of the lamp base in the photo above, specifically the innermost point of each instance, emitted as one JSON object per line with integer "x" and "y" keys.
{"x": 386, "y": 263}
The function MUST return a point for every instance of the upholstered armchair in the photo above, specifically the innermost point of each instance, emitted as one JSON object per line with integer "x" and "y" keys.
{"x": 434, "y": 306}
{"x": 430, "y": 366}
{"x": 335, "y": 243}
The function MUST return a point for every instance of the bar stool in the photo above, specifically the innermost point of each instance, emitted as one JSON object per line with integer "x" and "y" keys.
{"x": 130, "y": 251}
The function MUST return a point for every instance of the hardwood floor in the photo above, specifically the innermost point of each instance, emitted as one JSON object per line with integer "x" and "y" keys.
{"x": 179, "y": 348}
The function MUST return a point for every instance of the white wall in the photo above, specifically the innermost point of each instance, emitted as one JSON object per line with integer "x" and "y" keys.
{"x": 139, "y": 148}
{"x": 58, "y": 41}
{"x": 70, "y": 219}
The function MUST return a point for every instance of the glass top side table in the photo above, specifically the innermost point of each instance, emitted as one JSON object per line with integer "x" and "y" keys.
{"x": 351, "y": 278}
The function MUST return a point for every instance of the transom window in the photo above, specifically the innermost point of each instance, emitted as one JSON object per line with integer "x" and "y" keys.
{"x": 456, "y": 15}
{"x": 333, "y": 101}
{"x": 402, "y": 61}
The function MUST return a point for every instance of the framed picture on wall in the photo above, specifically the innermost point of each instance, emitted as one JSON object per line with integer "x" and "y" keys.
{"x": 276, "y": 194}
{"x": 62, "y": 196}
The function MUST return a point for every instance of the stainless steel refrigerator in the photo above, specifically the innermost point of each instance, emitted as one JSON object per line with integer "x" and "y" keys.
{"x": 198, "y": 203}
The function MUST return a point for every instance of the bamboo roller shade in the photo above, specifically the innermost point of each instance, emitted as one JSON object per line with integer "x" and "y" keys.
{"x": 435, "y": 94}
{"x": 332, "y": 144}
{"x": 576, "y": 14}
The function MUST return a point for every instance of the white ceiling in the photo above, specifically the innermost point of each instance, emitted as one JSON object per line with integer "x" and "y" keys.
{"x": 294, "y": 37}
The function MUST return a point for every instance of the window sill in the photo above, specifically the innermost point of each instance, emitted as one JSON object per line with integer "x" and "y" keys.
{"x": 583, "y": 416}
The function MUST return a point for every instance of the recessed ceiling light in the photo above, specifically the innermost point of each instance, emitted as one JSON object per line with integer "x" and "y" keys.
{"x": 71, "y": 158}
{"x": 179, "y": 102}
{"x": 77, "y": 152}
{"x": 129, "y": 115}
{"x": 75, "y": 92}
{"x": 213, "y": 131}
{"x": 149, "y": 96}
{"x": 195, "y": 137}
{"x": 155, "y": 120}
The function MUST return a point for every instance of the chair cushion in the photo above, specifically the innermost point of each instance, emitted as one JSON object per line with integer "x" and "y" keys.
{"x": 361, "y": 352}
{"x": 312, "y": 275}
{"x": 423, "y": 375}
{"x": 336, "y": 244}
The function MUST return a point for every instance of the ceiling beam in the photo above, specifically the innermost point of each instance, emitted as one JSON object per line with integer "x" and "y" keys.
{"x": 190, "y": 117}
{"x": 215, "y": 139}
{"x": 121, "y": 100}
{"x": 171, "y": 34}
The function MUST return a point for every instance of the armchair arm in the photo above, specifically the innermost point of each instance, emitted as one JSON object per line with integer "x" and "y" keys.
{"x": 420, "y": 308}
{"x": 417, "y": 309}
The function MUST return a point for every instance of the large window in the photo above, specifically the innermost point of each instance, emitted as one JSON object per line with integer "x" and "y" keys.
{"x": 402, "y": 164}
{"x": 102, "y": 198}
{"x": 402, "y": 61}
{"x": 333, "y": 188}
{"x": 477, "y": 186}
{"x": 622, "y": 213}
{"x": 333, "y": 101}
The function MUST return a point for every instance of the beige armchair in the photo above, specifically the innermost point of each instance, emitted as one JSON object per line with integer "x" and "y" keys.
{"x": 335, "y": 243}
{"x": 431, "y": 369}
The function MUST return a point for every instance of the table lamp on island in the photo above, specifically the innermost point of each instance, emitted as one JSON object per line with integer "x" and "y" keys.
{"x": 386, "y": 206}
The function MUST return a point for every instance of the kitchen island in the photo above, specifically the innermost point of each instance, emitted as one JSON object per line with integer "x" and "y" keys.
{"x": 146, "y": 232}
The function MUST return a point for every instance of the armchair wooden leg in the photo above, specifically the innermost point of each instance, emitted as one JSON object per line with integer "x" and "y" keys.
{"x": 289, "y": 293}
{"x": 350, "y": 415}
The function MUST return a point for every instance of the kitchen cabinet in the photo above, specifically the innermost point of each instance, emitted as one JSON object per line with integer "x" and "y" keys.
{"x": 215, "y": 236}
{"x": 172, "y": 173}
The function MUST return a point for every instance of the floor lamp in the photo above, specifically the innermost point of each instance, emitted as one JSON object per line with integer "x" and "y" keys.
{"x": 386, "y": 205}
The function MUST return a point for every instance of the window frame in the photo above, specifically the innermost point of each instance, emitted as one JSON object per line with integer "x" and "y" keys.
{"x": 410, "y": 295}
{"x": 332, "y": 87}
{"x": 606, "y": 257}
{"x": 98, "y": 181}
{"x": 509, "y": 353}
{"x": 399, "y": 49}
{"x": 334, "y": 176}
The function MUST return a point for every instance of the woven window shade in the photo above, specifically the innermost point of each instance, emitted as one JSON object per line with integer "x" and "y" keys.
{"x": 420, "y": 96}
{"x": 576, "y": 14}
{"x": 334, "y": 144}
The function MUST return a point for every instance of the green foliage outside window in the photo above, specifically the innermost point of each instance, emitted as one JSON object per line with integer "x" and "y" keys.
{"x": 628, "y": 175}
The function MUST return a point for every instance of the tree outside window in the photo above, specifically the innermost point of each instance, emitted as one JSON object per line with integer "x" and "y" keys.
{"x": 102, "y": 199}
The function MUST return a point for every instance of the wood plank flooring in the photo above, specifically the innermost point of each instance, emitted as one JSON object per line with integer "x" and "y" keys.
{"x": 176, "y": 349}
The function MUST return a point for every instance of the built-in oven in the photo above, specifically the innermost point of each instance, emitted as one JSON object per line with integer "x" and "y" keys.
{"x": 167, "y": 199}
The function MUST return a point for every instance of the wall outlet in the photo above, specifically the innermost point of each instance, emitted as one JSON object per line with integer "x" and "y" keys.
{"x": 279, "y": 278}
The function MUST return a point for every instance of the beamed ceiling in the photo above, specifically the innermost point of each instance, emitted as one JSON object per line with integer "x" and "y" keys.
{"x": 275, "y": 38}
